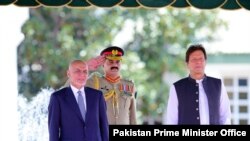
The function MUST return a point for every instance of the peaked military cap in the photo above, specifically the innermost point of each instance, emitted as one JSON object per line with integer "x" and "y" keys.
{"x": 113, "y": 53}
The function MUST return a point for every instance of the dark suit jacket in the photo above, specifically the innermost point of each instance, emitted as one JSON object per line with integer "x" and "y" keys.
{"x": 66, "y": 123}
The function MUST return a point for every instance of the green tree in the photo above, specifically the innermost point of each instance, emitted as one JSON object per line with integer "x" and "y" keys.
{"x": 54, "y": 36}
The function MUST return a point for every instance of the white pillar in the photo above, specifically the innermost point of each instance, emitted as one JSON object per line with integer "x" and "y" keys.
{"x": 12, "y": 18}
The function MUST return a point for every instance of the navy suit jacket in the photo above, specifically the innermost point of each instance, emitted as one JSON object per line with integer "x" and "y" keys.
{"x": 66, "y": 123}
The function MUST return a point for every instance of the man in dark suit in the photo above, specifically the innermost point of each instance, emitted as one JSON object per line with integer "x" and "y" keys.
{"x": 69, "y": 121}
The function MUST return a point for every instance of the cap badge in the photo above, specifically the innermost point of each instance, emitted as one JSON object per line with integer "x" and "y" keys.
{"x": 114, "y": 52}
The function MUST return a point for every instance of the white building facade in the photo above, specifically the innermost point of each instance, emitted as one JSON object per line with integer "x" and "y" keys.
{"x": 234, "y": 70}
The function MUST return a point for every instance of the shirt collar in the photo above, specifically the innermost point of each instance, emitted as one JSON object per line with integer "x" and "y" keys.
{"x": 197, "y": 81}
{"x": 75, "y": 90}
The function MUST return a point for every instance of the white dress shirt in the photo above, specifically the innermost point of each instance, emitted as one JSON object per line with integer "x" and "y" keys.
{"x": 75, "y": 90}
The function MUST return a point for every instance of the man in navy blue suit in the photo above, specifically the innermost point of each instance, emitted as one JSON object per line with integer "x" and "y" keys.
{"x": 66, "y": 121}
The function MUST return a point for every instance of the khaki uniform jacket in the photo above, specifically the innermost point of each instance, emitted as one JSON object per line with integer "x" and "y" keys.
{"x": 119, "y": 97}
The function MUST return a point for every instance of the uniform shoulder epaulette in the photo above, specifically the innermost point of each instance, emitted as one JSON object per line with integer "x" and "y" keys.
{"x": 93, "y": 80}
{"x": 129, "y": 81}
{"x": 96, "y": 74}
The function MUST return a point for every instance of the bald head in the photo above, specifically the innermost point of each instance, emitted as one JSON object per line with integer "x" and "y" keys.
{"x": 78, "y": 73}
{"x": 75, "y": 62}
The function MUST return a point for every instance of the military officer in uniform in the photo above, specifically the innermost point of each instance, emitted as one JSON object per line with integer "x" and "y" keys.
{"x": 119, "y": 93}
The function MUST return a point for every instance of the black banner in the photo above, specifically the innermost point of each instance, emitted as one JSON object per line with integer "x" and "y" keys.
{"x": 162, "y": 131}
{"x": 200, "y": 4}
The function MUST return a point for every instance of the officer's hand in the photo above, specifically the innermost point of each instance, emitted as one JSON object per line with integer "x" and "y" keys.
{"x": 94, "y": 63}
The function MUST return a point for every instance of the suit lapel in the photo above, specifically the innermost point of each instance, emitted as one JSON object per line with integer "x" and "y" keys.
{"x": 88, "y": 100}
{"x": 71, "y": 101}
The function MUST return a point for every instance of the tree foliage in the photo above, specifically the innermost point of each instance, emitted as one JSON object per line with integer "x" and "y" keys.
{"x": 54, "y": 36}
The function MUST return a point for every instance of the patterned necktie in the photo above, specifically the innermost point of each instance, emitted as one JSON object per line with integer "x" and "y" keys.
{"x": 81, "y": 104}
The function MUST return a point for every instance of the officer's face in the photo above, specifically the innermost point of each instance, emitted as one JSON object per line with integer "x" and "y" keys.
{"x": 112, "y": 67}
{"x": 197, "y": 62}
